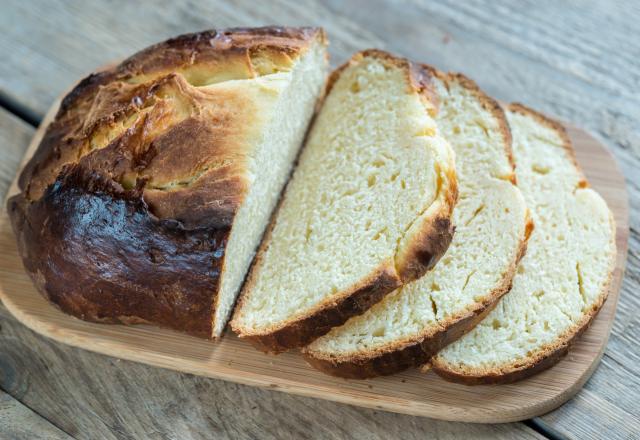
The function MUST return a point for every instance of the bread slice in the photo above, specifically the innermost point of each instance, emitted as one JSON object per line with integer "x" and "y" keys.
{"x": 151, "y": 190}
{"x": 368, "y": 207}
{"x": 563, "y": 280}
{"x": 492, "y": 226}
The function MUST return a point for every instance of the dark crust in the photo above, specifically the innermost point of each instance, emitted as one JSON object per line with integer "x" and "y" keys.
{"x": 432, "y": 243}
{"x": 553, "y": 353}
{"x": 416, "y": 353}
{"x": 303, "y": 331}
{"x": 408, "y": 354}
{"x": 413, "y": 355}
{"x": 106, "y": 254}
{"x": 96, "y": 252}
{"x": 429, "y": 245}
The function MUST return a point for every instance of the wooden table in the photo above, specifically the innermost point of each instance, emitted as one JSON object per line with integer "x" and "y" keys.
{"x": 579, "y": 61}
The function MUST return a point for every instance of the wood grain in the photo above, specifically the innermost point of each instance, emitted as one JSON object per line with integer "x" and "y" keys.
{"x": 15, "y": 137}
{"x": 19, "y": 422}
{"x": 94, "y": 396}
{"x": 410, "y": 392}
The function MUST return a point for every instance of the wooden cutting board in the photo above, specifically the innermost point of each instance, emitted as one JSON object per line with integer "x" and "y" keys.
{"x": 410, "y": 392}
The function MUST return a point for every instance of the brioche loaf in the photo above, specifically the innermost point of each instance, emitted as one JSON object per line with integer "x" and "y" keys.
{"x": 492, "y": 226}
{"x": 150, "y": 191}
{"x": 561, "y": 283}
{"x": 367, "y": 209}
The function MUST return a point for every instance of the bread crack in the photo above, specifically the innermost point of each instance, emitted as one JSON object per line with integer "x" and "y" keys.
{"x": 539, "y": 169}
{"x": 475, "y": 214}
{"x": 307, "y": 235}
{"x": 189, "y": 180}
{"x": 198, "y": 77}
{"x": 466, "y": 282}
{"x": 434, "y": 306}
{"x": 566, "y": 314}
{"x": 104, "y": 134}
{"x": 583, "y": 294}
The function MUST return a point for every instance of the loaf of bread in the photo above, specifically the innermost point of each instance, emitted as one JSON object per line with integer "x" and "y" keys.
{"x": 492, "y": 226}
{"x": 367, "y": 210}
{"x": 151, "y": 190}
{"x": 561, "y": 283}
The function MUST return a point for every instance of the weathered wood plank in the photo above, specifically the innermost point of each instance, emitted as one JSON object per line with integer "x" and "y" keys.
{"x": 93, "y": 396}
{"x": 14, "y": 138}
{"x": 57, "y": 42}
{"x": 572, "y": 59}
{"x": 610, "y": 419}
{"x": 18, "y": 422}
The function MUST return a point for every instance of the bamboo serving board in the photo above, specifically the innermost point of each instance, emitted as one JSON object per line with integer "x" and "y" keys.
{"x": 410, "y": 392}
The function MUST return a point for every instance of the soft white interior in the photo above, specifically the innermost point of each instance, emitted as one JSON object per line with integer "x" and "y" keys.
{"x": 293, "y": 95}
{"x": 490, "y": 222}
{"x": 567, "y": 262}
{"x": 368, "y": 170}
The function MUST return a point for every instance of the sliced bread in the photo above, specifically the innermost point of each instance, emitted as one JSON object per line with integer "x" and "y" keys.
{"x": 492, "y": 226}
{"x": 368, "y": 207}
{"x": 563, "y": 280}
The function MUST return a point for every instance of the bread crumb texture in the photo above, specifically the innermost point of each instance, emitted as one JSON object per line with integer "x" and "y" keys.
{"x": 490, "y": 220}
{"x": 269, "y": 168}
{"x": 562, "y": 280}
{"x": 373, "y": 163}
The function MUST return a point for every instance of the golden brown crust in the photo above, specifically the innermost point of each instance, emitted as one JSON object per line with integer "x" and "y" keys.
{"x": 426, "y": 248}
{"x": 417, "y": 350}
{"x": 549, "y": 354}
{"x": 418, "y": 76}
{"x": 127, "y": 204}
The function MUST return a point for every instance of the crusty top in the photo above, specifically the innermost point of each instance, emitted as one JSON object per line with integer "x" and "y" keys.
{"x": 150, "y": 123}
{"x": 136, "y": 182}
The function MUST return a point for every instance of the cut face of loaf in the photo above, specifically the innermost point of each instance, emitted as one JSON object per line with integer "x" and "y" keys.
{"x": 492, "y": 225}
{"x": 560, "y": 284}
{"x": 150, "y": 192}
{"x": 368, "y": 207}
{"x": 293, "y": 97}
